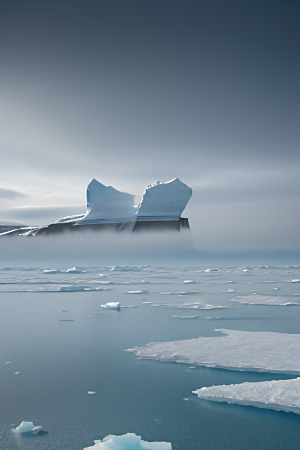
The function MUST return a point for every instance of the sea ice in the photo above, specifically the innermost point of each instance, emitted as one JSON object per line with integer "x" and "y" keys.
{"x": 74, "y": 270}
{"x": 111, "y": 305}
{"x": 190, "y": 282}
{"x": 265, "y": 300}
{"x": 283, "y": 395}
{"x": 26, "y": 427}
{"x": 127, "y": 442}
{"x": 237, "y": 350}
{"x": 91, "y": 392}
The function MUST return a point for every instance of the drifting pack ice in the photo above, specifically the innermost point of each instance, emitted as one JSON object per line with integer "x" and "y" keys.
{"x": 110, "y": 209}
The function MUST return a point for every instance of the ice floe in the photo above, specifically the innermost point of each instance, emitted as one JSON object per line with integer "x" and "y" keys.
{"x": 256, "y": 299}
{"x": 190, "y": 282}
{"x": 111, "y": 305}
{"x": 27, "y": 427}
{"x": 74, "y": 270}
{"x": 92, "y": 392}
{"x": 136, "y": 292}
{"x": 282, "y": 395}
{"x": 127, "y": 442}
{"x": 193, "y": 305}
{"x": 237, "y": 350}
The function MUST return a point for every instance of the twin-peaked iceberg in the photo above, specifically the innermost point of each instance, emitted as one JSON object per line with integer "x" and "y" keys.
{"x": 108, "y": 208}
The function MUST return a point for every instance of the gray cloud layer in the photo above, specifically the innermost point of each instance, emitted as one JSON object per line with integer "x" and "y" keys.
{"x": 133, "y": 92}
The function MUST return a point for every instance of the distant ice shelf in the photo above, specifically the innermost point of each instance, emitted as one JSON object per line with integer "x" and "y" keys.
{"x": 281, "y": 395}
{"x": 236, "y": 350}
{"x": 127, "y": 441}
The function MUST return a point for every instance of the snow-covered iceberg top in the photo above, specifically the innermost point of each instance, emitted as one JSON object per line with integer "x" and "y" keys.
{"x": 128, "y": 441}
{"x": 107, "y": 203}
{"x": 164, "y": 200}
{"x": 238, "y": 350}
{"x": 111, "y": 305}
{"x": 282, "y": 395}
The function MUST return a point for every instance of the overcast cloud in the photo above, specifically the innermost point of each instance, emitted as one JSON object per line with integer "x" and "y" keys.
{"x": 138, "y": 91}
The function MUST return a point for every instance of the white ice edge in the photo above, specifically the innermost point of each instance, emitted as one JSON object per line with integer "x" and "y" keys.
{"x": 281, "y": 395}
{"x": 127, "y": 442}
{"x": 27, "y": 427}
{"x": 236, "y": 350}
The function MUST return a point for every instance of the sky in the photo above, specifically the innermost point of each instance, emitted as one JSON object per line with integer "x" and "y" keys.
{"x": 134, "y": 91}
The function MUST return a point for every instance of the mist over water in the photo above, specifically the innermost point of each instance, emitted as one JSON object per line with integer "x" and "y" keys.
{"x": 89, "y": 247}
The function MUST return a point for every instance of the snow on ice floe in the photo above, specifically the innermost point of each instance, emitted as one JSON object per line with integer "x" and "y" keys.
{"x": 127, "y": 442}
{"x": 27, "y": 427}
{"x": 282, "y": 395}
{"x": 193, "y": 305}
{"x": 190, "y": 282}
{"x": 92, "y": 392}
{"x": 111, "y": 305}
{"x": 236, "y": 350}
{"x": 265, "y": 300}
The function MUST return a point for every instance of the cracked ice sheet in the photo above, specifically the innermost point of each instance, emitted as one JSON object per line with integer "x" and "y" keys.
{"x": 265, "y": 300}
{"x": 282, "y": 395}
{"x": 237, "y": 350}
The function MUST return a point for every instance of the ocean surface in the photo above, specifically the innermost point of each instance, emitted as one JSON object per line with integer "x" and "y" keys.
{"x": 58, "y": 343}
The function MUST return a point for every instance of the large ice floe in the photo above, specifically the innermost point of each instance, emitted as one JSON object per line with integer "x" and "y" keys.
{"x": 128, "y": 441}
{"x": 110, "y": 209}
{"x": 236, "y": 350}
{"x": 256, "y": 299}
{"x": 282, "y": 395}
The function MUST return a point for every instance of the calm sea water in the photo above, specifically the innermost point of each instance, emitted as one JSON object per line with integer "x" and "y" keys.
{"x": 64, "y": 344}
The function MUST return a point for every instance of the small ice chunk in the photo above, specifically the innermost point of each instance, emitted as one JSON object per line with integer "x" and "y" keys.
{"x": 91, "y": 392}
{"x": 8, "y": 362}
{"x": 229, "y": 290}
{"x": 190, "y": 282}
{"x": 136, "y": 292}
{"x": 17, "y": 373}
{"x": 207, "y": 270}
{"x": 27, "y": 427}
{"x": 111, "y": 305}
{"x": 126, "y": 442}
{"x": 283, "y": 395}
{"x": 74, "y": 270}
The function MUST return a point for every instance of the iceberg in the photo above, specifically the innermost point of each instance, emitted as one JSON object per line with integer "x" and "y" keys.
{"x": 111, "y": 305}
{"x": 110, "y": 209}
{"x": 261, "y": 351}
{"x": 127, "y": 442}
{"x": 27, "y": 427}
{"x": 282, "y": 395}
{"x": 256, "y": 299}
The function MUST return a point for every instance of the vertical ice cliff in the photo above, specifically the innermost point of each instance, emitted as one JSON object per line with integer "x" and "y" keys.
{"x": 164, "y": 201}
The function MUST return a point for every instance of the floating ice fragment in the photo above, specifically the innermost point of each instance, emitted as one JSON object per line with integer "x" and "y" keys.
{"x": 229, "y": 290}
{"x": 190, "y": 282}
{"x": 74, "y": 270}
{"x": 283, "y": 395}
{"x": 207, "y": 270}
{"x": 52, "y": 271}
{"x": 265, "y": 300}
{"x": 111, "y": 305}
{"x": 17, "y": 373}
{"x": 91, "y": 392}
{"x": 27, "y": 427}
{"x": 136, "y": 292}
{"x": 8, "y": 362}
{"x": 237, "y": 350}
{"x": 293, "y": 281}
{"x": 126, "y": 442}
